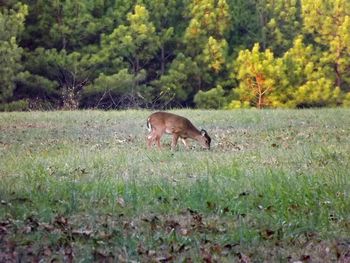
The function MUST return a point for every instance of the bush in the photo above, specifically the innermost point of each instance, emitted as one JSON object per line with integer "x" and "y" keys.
{"x": 38, "y": 104}
{"x": 211, "y": 99}
{"x": 346, "y": 101}
{"x": 19, "y": 105}
{"x": 317, "y": 93}
{"x": 236, "y": 104}
{"x": 120, "y": 90}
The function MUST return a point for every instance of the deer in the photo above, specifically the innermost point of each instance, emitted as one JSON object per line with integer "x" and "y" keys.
{"x": 161, "y": 122}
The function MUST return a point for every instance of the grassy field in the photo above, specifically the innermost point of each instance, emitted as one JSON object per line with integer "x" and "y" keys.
{"x": 81, "y": 186}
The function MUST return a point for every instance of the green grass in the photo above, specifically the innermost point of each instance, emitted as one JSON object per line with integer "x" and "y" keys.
{"x": 81, "y": 185}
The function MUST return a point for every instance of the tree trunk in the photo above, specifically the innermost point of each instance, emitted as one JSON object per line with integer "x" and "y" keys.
{"x": 262, "y": 21}
{"x": 162, "y": 61}
{"x": 338, "y": 80}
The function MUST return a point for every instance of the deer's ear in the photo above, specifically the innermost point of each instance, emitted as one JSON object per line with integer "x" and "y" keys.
{"x": 203, "y": 132}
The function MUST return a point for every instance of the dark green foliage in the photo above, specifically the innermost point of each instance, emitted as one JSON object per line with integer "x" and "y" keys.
{"x": 169, "y": 50}
{"x": 211, "y": 99}
{"x": 19, "y": 105}
{"x": 11, "y": 24}
{"x": 119, "y": 90}
{"x": 35, "y": 86}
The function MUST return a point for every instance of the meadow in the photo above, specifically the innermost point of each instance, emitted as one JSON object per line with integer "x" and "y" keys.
{"x": 80, "y": 186}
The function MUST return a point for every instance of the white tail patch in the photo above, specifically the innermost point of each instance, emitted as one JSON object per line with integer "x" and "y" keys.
{"x": 149, "y": 127}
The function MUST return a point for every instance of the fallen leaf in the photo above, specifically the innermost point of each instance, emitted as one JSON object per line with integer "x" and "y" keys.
{"x": 216, "y": 249}
{"x": 171, "y": 224}
{"x": 243, "y": 258}
{"x": 164, "y": 258}
{"x": 47, "y": 252}
{"x": 121, "y": 202}
{"x": 61, "y": 221}
{"x": 68, "y": 251}
{"x": 3, "y": 230}
{"x": 206, "y": 256}
{"x": 82, "y": 232}
{"x": 46, "y": 226}
{"x": 26, "y": 229}
{"x": 305, "y": 258}
{"x": 267, "y": 234}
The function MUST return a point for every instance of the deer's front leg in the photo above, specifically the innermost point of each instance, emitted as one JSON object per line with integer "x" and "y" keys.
{"x": 184, "y": 141}
{"x": 174, "y": 141}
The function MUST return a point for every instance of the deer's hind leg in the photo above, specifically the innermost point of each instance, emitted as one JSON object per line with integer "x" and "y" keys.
{"x": 159, "y": 134}
{"x": 154, "y": 137}
{"x": 151, "y": 138}
{"x": 174, "y": 141}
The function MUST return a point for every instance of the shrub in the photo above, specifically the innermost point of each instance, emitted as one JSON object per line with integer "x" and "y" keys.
{"x": 211, "y": 99}
{"x": 19, "y": 105}
{"x": 346, "y": 101}
{"x": 236, "y": 104}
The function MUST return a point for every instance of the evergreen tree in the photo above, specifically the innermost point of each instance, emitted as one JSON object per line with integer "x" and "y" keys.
{"x": 175, "y": 86}
{"x": 205, "y": 39}
{"x": 280, "y": 23}
{"x": 166, "y": 16}
{"x": 329, "y": 23}
{"x": 11, "y": 24}
{"x": 135, "y": 42}
{"x": 259, "y": 74}
{"x": 68, "y": 72}
{"x": 71, "y": 24}
{"x": 169, "y": 50}
{"x": 309, "y": 82}
{"x": 245, "y": 27}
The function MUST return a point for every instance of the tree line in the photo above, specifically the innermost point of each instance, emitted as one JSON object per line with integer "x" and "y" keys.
{"x": 115, "y": 54}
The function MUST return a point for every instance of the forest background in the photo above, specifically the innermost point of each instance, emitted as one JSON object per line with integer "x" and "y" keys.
{"x": 117, "y": 54}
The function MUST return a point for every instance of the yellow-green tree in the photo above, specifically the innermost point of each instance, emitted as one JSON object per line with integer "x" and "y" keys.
{"x": 329, "y": 23}
{"x": 205, "y": 35}
{"x": 309, "y": 82}
{"x": 259, "y": 74}
{"x": 135, "y": 42}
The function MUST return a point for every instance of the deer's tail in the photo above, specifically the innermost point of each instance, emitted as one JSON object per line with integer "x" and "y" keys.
{"x": 149, "y": 127}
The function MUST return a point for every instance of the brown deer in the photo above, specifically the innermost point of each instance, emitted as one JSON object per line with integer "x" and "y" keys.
{"x": 159, "y": 123}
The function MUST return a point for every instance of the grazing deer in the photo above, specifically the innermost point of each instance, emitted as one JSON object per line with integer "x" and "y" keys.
{"x": 159, "y": 123}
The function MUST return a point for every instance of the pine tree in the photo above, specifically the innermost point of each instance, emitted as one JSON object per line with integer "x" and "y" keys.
{"x": 11, "y": 24}
{"x": 175, "y": 86}
{"x": 281, "y": 24}
{"x": 166, "y": 16}
{"x": 205, "y": 38}
{"x": 135, "y": 42}
{"x": 329, "y": 23}
{"x": 309, "y": 81}
{"x": 259, "y": 74}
